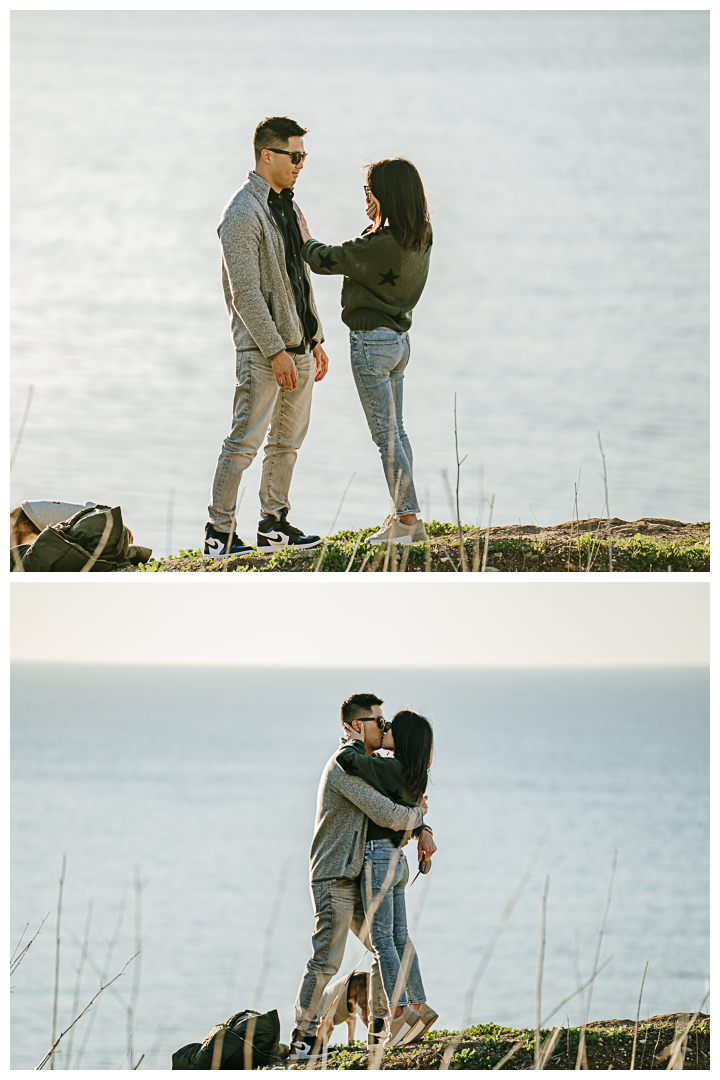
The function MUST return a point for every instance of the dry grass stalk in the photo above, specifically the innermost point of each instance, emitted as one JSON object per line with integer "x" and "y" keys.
{"x": 458, "y": 462}
{"x": 448, "y": 557}
{"x": 270, "y": 930}
{"x": 103, "y": 973}
{"x": 135, "y": 991}
{"x": 541, "y": 961}
{"x": 318, "y": 564}
{"x": 637, "y": 1017}
{"x": 379, "y": 555}
{"x": 549, "y": 1047}
{"x": 576, "y": 970}
{"x": 428, "y": 557}
{"x": 575, "y": 520}
{"x": 584, "y": 986}
{"x": 57, "y": 955}
{"x": 169, "y": 521}
{"x": 138, "y": 1062}
{"x": 352, "y": 557}
{"x": 476, "y": 555}
{"x": 248, "y": 1042}
{"x": 487, "y": 534}
{"x": 488, "y": 951}
{"x": 581, "y": 1044}
{"x": 97, "y": 553}
{"x": 521, "y": 1042}
{"x": 15, "y": 962}
{"x": 21, "y": 429}
{"x": 607, "y": 505}
{"x": 404, "y": 561}
{"x": 678, "y": 1046}
{"x": 52, "y": 1049}
{"x": 78, "y": 979}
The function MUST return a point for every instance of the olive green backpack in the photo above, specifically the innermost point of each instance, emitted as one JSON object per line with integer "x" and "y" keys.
{"x": 247, "y": 1040}
{"x": 93, "y": 540}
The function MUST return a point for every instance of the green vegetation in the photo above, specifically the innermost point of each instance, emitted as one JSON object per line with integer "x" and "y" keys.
{"x": 348, "y": 551}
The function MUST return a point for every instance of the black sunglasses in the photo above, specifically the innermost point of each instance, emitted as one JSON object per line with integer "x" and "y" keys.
{"x": 296, "y": 156}
{"x": 379, "y": 720}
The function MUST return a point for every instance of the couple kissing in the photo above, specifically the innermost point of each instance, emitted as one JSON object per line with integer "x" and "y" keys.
{"x": 368, "y": 808}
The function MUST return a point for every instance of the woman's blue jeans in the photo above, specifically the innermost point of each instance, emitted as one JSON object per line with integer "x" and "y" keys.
{"x": 379, "y": 358}
{"x": 382, "y": 887}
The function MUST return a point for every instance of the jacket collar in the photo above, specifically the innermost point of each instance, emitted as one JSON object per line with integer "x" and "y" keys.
{"x": 257, "y": 185}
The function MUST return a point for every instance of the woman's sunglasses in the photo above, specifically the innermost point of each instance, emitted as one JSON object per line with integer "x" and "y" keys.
{"x": 296, "y": 156}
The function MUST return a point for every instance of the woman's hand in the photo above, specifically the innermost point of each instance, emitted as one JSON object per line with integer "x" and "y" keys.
{"x": 372, "y": 207}
{"x": 304, "y": 231}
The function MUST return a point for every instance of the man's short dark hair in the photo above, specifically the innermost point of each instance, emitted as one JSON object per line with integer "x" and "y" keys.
{"x": 358, "y": 705}
{"x": 275, "y": 130}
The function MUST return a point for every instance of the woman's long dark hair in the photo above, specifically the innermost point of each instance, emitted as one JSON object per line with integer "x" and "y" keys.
{"x": 413, "y": 738}
{"x": 397, "y": 186}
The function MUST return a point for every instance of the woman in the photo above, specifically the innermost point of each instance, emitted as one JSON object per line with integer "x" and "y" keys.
{"x": 384, "y": 271}
{"x": 402, "y": 778}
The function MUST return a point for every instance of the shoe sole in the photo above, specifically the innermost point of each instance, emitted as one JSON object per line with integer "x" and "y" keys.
{"x": 393, "y": 540}
{"x": 228, "y": 554}
{"x": 263, "y": 548}
{"x": 404, "y": 1036}
{"x": 425, "y": 1029}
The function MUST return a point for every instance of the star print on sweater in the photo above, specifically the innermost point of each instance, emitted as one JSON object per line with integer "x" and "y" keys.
{"x": 327, "y": 262}
{"x": 389, "y": 278}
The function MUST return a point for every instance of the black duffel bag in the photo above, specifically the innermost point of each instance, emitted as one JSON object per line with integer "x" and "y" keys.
{"x": 248, "y": 1039}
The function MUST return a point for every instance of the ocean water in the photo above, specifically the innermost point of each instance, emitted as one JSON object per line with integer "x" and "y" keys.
{"x": 200, "y": 784}
{"x": 565, "y": 155}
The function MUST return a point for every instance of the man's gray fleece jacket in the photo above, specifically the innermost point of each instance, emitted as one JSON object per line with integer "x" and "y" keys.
{"x": 258, "y": 292}
{"x": 343, "y": 807}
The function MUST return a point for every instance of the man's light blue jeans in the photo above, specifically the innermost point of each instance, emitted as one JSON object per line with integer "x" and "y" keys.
{"x": 379, "y": 358}
{"x": 382, "y": 887}
{"x": 259, "y": 403}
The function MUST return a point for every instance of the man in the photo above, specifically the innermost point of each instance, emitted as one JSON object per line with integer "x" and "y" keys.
{"x": 278, "y": 342}
{"x": 337, "y": 852}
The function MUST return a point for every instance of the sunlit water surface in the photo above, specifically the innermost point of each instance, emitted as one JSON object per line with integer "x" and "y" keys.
{"x": 565, "y": 157}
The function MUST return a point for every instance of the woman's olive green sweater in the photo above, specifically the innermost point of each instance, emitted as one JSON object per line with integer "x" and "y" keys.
{"x": 382, "y": 281}
{"x": 386, "y": 776}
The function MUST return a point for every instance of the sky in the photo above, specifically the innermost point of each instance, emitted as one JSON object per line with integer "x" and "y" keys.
{"x": 376, "y": 620}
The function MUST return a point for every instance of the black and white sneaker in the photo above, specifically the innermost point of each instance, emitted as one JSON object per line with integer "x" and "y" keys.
{"x": 220, "y": 545}
{"x": 277, "y": 532}
{"x": 303, "y": 1049}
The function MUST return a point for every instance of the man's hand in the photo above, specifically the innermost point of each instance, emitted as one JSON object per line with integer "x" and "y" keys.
{"x": 426, "y": 845}
{"x": 321, "y": 362}
{"x": 285, "y": 371}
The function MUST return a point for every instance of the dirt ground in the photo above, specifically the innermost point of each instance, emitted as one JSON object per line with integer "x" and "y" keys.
{"x": 647, "y": 545}
{"x": 609, "y": 1046}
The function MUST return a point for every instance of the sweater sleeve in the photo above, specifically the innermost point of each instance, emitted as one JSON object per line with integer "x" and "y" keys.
{"x": 374, "y": 805}
{"x": 380, "y": 773}
{"x": 240, "y": 236}
{"x": 355, "y": 259}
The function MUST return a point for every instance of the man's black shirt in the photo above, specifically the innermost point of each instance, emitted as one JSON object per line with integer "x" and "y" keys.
{"x": 283, "y": 212}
